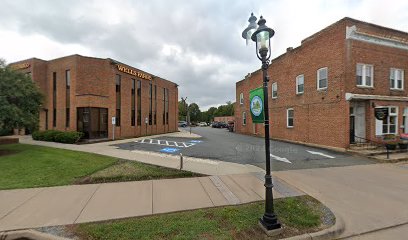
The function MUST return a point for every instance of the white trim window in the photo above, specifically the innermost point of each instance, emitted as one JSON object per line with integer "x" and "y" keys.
{"x": 322, "y": 78}
{"x": 275, "y": 90}
{"x": 241, "y": 98}
{"x": 244, "y": 118}
{"x": 390, "y": 124}
{"x": 396, "y": 79}
{"x": 364, "y": 75}
{"x": 290, "y": 117}
{"x": 300, "y": 84}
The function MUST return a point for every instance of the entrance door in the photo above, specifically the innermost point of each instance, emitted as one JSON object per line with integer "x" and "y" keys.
{"x": 93, "y": 122}
{"x": 352, "y": 129}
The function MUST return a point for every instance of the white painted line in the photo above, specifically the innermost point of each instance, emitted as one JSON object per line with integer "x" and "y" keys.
{"x": 319, "y": 153}
{"x": 166, "y": 143}
{"x": 282, "y": 159}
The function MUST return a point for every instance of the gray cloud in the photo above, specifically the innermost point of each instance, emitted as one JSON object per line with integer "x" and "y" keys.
{"x": 196, "y": 44}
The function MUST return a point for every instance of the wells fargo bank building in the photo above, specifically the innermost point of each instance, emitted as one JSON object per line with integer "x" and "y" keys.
{"x": 84, "y": 93}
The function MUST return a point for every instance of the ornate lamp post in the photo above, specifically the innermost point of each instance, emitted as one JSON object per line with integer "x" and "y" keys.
{"x": 261, "y": 36}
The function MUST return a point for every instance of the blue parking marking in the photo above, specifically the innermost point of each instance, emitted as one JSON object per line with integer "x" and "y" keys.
{"x": 195, "y": 141}
{"x": 170, "y": 150}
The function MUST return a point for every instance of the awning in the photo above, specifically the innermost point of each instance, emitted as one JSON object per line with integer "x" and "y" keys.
{"x": 352, "y": 96}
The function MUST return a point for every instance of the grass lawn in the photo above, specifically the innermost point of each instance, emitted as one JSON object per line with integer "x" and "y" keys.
{"x": 26, "y": 166}
{"x": 298, "y": 215}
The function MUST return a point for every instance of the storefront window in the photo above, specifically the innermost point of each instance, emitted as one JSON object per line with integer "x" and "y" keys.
{"x": 390, "y": 123}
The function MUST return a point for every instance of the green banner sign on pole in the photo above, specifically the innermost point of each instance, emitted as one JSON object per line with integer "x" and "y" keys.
{"x": 256, "y": 105}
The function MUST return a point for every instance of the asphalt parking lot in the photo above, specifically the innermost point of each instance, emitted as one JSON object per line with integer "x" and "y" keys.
{"x": 219, "y": 144}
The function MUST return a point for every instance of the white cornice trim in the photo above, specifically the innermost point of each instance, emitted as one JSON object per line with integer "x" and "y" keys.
{"x": 352, "y": 96}
{"x": 352, "y": 33}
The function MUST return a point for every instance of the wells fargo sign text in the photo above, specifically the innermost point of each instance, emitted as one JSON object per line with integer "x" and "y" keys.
{"x": 20, "y": 66}
{"x": 133, "y": 72}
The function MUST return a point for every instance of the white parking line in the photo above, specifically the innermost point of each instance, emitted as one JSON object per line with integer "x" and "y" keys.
{"x": 166, "y": 143}
{"x": 282, "y": 159}
{"x": 319, "y": 153}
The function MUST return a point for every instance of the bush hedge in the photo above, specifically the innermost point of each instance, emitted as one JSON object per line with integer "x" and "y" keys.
{"x": 57, "y": 136}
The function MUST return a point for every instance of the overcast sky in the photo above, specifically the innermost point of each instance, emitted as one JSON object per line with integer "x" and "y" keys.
{"x": 196, "y": 44}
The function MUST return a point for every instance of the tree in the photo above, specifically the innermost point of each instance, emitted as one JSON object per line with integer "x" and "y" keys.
{"x": 195, "y": 113}
{"x": 182, "y": 110}
{"x": 20, "y": 99}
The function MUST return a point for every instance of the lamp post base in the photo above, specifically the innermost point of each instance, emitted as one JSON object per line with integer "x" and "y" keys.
{"x": 270, "y": 232}
{"x": 270, "y": 222}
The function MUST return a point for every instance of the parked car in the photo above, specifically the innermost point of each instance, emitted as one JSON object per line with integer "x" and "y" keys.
{"x": 202, "y": 124}
{"x": 219, "y": 125}
{"x": 182, "y": 124}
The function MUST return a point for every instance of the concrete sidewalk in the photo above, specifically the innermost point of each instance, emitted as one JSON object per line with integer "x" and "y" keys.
{"x": 371, "y": 199}
{"x": 198, "y": 165}
{"x": 41, "y": 207}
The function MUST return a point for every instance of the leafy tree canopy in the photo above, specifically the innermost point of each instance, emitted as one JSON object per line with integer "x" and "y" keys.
{"x": 20, "y": 99}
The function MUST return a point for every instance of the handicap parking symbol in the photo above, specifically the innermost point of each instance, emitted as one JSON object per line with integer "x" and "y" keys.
{"x": 169, "y": 150}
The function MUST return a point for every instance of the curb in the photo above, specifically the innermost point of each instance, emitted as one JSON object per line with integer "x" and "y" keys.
{"x": 326, "y": 234}
{"x": 29, "y": 234}
{"x": 379, "y": 160}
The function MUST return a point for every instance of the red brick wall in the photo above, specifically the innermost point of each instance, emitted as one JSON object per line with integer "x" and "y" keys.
{"x": 322, "y": 117}
{"x": 225, "y": 119}
{"x": 93, "y": 85}
{"x": 316, "y": 119}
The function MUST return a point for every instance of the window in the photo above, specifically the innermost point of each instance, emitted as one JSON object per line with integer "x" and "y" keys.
{"x": 167, "y": 105}
{"x": 322, "y": 78}
{"x": 139, "y": 102}
{"x": 67, "y": 117}
{"x": 164, "y": 106}
{"x": 290, "y": 117}
{"x": 389, "y": 124}
{"x": 241, "y": 98}
{"x": 54, "y": 99}
{"x": 67, "y": 96}
{"x": 274, "y": 90}
{"x": 155, "y": 106}
{"x": 364, "y": 75}
{"x": 118, "y": 117}
{"x": 150, "y": 103}
{"x": 243, "y": 118}
{"x": 300, "y": 81}
{"x": 118, "y": 99}
{"x": 132, "y": 104}
{"x": 396, "y": 79}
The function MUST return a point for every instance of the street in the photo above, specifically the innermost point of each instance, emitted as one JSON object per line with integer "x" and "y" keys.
{"x": 219, "y": 144}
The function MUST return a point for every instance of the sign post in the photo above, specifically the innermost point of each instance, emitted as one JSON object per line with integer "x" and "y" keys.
{"x": 113, "y": 127}
{"x": 256, "y": 97}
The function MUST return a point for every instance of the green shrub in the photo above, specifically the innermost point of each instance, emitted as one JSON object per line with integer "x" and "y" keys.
{"x": 68, "y": 137}
{"x": 38, "y": 135}
{"x": 49, "y": 135}
{"x": 6, "y": 132}
{"x": 57, "y": 136}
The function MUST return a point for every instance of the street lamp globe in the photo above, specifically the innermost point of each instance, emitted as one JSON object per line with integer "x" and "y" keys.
{"x": 247, "y": 33}
{"x": 262, "y": 37}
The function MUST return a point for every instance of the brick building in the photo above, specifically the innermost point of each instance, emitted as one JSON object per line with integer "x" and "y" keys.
{"x": 225, "y": 119}
{"x": 325, "y": 91}
{"x": 84, "y": 93}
